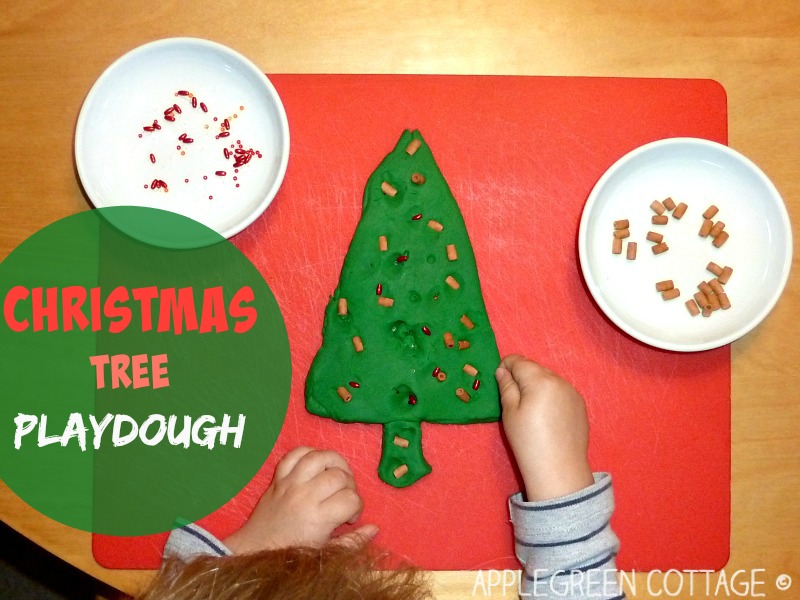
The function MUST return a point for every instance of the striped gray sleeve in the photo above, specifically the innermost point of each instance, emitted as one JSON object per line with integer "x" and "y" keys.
{"x": 566, "y": 545}
{"x": 192, "y": 540}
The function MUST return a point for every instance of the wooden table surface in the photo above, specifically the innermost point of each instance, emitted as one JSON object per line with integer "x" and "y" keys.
{"x": 51, "y": 52}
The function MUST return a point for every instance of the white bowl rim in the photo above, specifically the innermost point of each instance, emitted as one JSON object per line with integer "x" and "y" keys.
{"x": 612, "y": 171}
{"x": 83, "y": 173}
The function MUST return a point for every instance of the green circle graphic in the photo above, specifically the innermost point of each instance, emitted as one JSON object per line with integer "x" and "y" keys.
{"x": 119, "y": 361}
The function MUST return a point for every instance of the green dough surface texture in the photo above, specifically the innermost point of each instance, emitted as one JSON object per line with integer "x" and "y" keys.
{"x": 404, "y": 344}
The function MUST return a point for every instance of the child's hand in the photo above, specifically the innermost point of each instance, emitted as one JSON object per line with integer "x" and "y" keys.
{"x": 545, "y": 422}
{"x": 313, "y": 492}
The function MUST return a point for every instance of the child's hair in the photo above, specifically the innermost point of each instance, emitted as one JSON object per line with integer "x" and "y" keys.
{"x": 335, "y": 572}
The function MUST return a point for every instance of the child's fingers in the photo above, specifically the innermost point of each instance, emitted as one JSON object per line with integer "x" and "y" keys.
{"x": 288, "y": 462}
{"x": 344, "y": 506}
{"x": 526, "y": 373}
{"x": 509, "y": 390}
{"x": 328, "y": 482}
{"x": 316, "y": 462}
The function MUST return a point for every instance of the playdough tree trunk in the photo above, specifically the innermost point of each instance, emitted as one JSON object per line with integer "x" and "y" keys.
{"x": 406, "y": 338}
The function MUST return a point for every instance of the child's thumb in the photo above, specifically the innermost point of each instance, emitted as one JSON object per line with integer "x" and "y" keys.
{"x": 509, "y": 390}
{"x": 358, "y": 537}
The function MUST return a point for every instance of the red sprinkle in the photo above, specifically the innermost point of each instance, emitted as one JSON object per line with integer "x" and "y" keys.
{"x": 188, "y": 140}
{"x": 177, "y": 108}
{"x": 194, "y": 102}
{"x": 224, "y": 134}
{"x": 425, "y": 330}
{"x": 476, "y": 384}
{"x": 402, "y": 258}
{"x": 182, "y": 137}
{"x": 226, "y": 124}
{"x": 220, "y": 173}
{"x": 169, "y": 111}
{"x": 379, "y": 289}
{"x": 183, "y": 93}
{"x": 436, "y": 371}
{"x": 203, "y": 107}
{"x": 412, "y": 399}
{"x": 148, "y": 128}
{"x": 416, "y": 217}
{"x": 155, "y": 124}
{"x": 169, "y": 118}
{"x": 153, "y": 158}
{"x": 154, "y": 183}
{"x": 355, "y": 384}
{"x": 227, "y": 153}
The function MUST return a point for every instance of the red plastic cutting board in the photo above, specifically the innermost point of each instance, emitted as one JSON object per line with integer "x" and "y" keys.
{"x": 521, "y": 155}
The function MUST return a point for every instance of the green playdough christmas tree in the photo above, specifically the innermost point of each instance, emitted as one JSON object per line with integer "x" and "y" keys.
{"x": 406, "y": 337}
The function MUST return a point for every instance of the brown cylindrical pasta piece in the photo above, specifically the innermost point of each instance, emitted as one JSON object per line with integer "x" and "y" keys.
{"x": 452, "y": 282}
{"x": 663, "y": 286}
{"x": 400, "y": 442}
{"x": 652, "y": 236}
{"x": 463, "y": 344}
{"x": 388, "y": 189}
{"x": 386, "y": 301}
{"x": 720, "y": 239}
{"x": 358, "y": 344}
{"x": 714, "y": 268}
{"x": 705, "y": 228}
{"x": 716, "y": 286}
{"x": 669, "y": 204}
{"x": 418, "y": 178}
{"x": 660, "y": 248}
{"x": 621, "y": 224}
{"x": 622, "y": 233}
{"x": 383, "y": 244}
{"x": 724, "y": 302}
{"x": 413, "y": 146}
{"x": 342, "y": 306}
{"x": 449, "y": 342}
{"x": 441, "y": 376}
{"x": 657, "y": 207}
{"x": 402, "y": 469}
{"x": 462, "y": 395}
{"x": 725, "y": 275}
{"x": 706, "y": 312}
{"x": 702, "y": 300}
{"x": 659, "y": 219}
{"x": 710, "y": 212}
{"x": 630, "y": 251}
{"x": 680, "y": 210}
{"x": 716, "y": 229}
{"x": 691, "y": 306}
{"x": 344, "y": 394}
{"x": 467, "y": 322}
{"x": 713, "y": 300}
{"x": 616, "y": 246}
{"x": 435, "y": 225}
{"x": 452, "y": 254}
{"x": 470, "y": 370}
{"x": 705, "y": 288}
{"x": 670, "y": 294}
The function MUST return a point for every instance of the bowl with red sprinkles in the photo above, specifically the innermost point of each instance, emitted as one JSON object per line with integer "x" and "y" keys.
{"x": 185, "y": 125}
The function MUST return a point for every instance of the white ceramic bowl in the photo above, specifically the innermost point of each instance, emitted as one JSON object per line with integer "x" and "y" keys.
{"x": 699, "y": 173}
{"x": 114, "y": 162}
